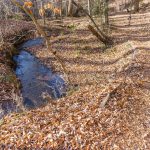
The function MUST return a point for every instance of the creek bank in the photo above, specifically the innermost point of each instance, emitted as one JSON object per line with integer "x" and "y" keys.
{"x": 16, "y": 33}
{"x": 9, "y": 84}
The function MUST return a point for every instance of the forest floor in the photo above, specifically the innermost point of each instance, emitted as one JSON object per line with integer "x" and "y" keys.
{"x": 119, "y": 74}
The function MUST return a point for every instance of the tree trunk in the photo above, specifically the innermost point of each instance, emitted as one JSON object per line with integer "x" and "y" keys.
{"x": 106, "y": 9}
{"x": 104, "y": 12}
{"x": 101, "y": 11}
{"x": 70, "y": 8}
{"x": 61, "y": 7}
{"x": 66, "y": 7}
{"x": 89, "y": 6}
{"x": 35, "y": 9}
{"x": 136, "y": 5}
{"x": 44, "y": 17}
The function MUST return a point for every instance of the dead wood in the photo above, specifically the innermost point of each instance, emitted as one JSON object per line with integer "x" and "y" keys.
{"x": 109, "y": 95}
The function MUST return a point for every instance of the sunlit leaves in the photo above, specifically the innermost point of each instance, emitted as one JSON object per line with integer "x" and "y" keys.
{"x": 28, "y": 4}
{"x": 48, "y": 6}
{"x": 57, "y": 11}
{"x": 51, "y": 7}
{"x": 41, "y": 12}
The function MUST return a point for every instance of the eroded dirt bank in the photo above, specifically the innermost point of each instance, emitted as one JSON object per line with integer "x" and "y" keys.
{"x": 12, "y": 33}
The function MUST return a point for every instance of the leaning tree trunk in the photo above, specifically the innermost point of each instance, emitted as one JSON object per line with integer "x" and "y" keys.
{"x": 103, "y": 38}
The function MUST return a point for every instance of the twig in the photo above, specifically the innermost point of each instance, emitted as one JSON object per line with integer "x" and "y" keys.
{"x": 104, "y": 101}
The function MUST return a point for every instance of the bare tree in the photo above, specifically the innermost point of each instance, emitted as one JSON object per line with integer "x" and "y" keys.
{"x": 89, "y": 6}
{"x": 104, "y": 12}
{"x": 70, "y": 8}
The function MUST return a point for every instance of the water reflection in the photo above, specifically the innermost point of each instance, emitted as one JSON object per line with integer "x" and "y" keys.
{"x": 36, "y": 78}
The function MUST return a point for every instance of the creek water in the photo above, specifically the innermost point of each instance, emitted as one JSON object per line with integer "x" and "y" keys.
{"x": 37, "y": 80}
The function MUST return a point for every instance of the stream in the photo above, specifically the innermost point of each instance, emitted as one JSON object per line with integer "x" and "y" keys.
{"x": 37, "y": 80}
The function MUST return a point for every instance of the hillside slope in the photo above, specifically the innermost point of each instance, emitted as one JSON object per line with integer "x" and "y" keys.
{"x": 78, "y": 121}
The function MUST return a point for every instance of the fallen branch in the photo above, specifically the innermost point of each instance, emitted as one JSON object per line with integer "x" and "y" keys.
{"x": 109, "y": 95}
{"x": 104, "y": 101}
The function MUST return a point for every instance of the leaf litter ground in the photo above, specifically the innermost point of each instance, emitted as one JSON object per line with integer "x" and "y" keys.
{"x": 78, "y": 121}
